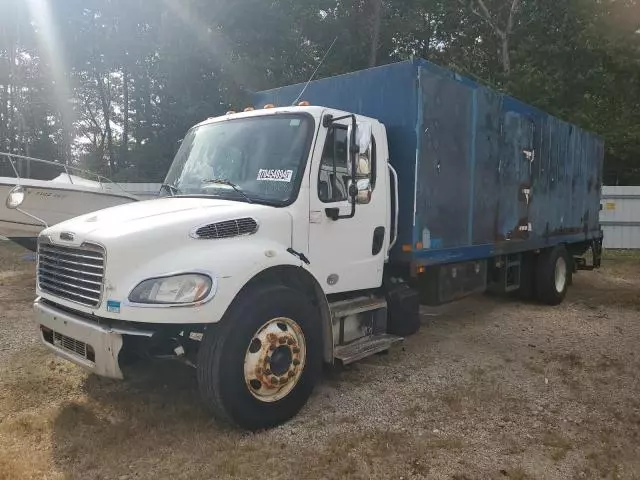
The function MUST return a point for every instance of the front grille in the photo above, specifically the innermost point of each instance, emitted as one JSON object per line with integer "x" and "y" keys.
{"x": 228, "y": 229}
{"x": 75, "y": 274}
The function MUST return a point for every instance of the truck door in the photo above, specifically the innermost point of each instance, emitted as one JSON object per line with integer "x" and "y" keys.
{"x": 518, "y": 158}
{"x": 347, "y": 254}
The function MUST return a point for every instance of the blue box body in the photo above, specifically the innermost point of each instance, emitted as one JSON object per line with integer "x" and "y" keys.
{"x": 480, "y": 173}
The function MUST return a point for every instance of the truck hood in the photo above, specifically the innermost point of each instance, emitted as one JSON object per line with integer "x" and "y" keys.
{"x": 163, "y": 221}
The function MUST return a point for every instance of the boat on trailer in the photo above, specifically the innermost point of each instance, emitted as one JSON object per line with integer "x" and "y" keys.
{"x": 39, "y": 193}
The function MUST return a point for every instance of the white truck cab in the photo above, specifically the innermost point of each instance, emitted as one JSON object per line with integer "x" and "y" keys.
{"x": 264, "y": 259}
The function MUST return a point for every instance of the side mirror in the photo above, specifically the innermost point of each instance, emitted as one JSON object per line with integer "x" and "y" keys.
{"x": 362, "y": 191}
{"x": 15, "y": 197}
{"x": 363, "y": 136}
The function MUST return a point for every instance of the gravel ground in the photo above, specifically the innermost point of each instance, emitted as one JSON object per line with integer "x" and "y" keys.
{"x": 489, "y": 388}
{"x": 17, "y": 291}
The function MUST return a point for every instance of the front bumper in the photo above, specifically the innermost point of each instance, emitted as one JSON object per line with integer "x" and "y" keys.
{"x": 86, "y": 343}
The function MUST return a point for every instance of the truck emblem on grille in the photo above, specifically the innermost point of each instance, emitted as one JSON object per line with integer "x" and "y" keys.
{"x": 67, "y": 236}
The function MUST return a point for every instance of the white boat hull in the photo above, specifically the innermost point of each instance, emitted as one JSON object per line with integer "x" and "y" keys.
{"x": 52, "y": 203}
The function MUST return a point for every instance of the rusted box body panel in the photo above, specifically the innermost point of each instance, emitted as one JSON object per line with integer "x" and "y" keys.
{"x": 481, "y": 173}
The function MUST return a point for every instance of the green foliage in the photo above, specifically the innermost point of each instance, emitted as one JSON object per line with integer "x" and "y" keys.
{"x": 115, "y": 84}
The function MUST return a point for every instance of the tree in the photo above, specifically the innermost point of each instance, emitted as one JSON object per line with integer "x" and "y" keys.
{"x": 139, "y": 74}
{"x": 512, "y": 7}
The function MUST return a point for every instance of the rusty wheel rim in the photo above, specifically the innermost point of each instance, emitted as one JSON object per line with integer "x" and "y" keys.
{"x": 275, "y": 359}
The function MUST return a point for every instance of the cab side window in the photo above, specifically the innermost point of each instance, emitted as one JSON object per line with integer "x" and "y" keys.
{"x": 334, "y": 174}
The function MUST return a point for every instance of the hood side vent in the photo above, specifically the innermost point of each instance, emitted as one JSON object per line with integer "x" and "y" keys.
{"x": 227, "y": 229}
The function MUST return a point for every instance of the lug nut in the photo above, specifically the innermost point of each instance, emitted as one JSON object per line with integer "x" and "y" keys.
{"x": 267, "y": 372}
{"x": 283, "y": 340}
{"x": 295, "y": 350}
{"x": 274, "y": 380}
{"x": 283, "y": 380}
{"x": 290, "y": 341}
{"x": 296, "y": 362}
{"x": 292, "y": 374}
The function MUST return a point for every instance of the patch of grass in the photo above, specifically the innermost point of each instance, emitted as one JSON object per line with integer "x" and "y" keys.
{"x": 445, "y": 443}
{"x": 570, "y": 359}
{"x": 476, "y": 395}
{"x": 607, "y": 362}
{"x": 605, "y": 463}
{"x": 348, "y": 419}
{"x": 534, "y": 367}
{"x": 414, "y": 410}
{"x": 560, "y": 445}
{"x": 517, "y": 473}
{"x": 454, "y": 400}
{"x": 11, "y": 468}
{"x": 618, "y": 254}
{"x": 477, "y": 373}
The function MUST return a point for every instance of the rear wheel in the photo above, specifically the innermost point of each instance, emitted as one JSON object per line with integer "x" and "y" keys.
{"x": 553, "y": 275}
{"x": 259, "y": 366}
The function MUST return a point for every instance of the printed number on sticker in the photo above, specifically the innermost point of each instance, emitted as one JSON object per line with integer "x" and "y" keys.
{"x": 275, "y": 175}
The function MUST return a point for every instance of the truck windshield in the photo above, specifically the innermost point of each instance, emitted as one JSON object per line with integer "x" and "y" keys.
{"x": 255, "y": 159}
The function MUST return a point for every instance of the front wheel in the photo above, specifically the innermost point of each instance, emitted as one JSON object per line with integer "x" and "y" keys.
{"x": 259, "y": 366}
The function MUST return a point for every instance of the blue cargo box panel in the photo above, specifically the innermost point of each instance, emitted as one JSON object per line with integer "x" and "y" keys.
{"x": 480, "y": 173}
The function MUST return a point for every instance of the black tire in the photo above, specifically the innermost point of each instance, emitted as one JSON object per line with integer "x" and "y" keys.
{"x": 221, "y": 358}
{"x": 548, "y": 290}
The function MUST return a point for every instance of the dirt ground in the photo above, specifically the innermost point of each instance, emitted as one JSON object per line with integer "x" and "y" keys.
{"x": 489, "y": 389}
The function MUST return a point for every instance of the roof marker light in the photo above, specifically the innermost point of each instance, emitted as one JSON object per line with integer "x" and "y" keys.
{"x": 269, "y": 105}
{"x": 249, "y": 109}
{"x": 304, "y": 103}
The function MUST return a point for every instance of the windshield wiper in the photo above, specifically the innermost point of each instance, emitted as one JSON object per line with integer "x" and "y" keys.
{"x": 221, "y": 181}
{"x": 172, "y": 189}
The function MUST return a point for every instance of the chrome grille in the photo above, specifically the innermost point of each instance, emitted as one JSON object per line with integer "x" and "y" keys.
{"x": 228, "y": 229}
{"x": 71, "y": 273}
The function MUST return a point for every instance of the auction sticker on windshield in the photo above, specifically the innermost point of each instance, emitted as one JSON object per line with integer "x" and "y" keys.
{"x": 275, "y": 175}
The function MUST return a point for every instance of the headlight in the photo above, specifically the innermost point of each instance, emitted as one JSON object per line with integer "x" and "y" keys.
{"x": 185, "y": 288}
{"x": 15, "y": 197}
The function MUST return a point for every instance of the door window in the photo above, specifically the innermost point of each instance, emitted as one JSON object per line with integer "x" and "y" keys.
{"x": 333, "y": 177}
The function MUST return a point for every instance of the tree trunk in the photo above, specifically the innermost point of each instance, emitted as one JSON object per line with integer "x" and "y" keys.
{"x": 376, "y": 19}
{"x": 502, "y": 33}
{"x": 11, "y": 110}
{"x": 106, "y": 113}
{"x": 506, "y": 57}
{"x": 125, "y": 115}
{"x": 4, "y": 118}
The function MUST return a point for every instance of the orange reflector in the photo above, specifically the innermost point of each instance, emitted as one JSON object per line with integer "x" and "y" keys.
{"x": 269, "y": 105}
{"x": 421, "y": 269}
{"x": 231, "y": 112}
{"x": 304, "y": 103}
{"x": 419, "y": 246}
{"x": 249, "y": 109}
{"x": 407, "y": 248}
